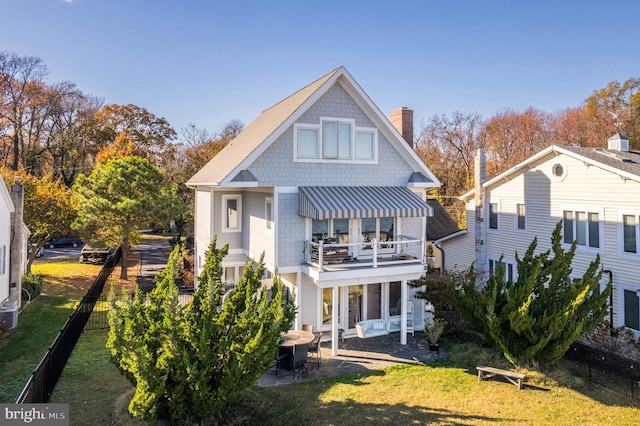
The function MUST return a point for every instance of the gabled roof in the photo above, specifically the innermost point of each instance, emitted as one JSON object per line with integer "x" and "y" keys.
{"x": 223, "y": 169}
{"x": 625, "y": 164}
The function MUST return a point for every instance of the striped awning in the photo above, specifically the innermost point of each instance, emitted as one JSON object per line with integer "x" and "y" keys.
{"x": 349, "y": 202}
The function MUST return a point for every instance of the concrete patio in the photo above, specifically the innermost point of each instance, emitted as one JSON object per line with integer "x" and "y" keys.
{"x": 357, "y": 354}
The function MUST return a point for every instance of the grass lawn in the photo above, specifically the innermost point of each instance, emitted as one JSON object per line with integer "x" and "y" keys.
{"x": 441, "y": 393}
{"x": 66, "y": 281}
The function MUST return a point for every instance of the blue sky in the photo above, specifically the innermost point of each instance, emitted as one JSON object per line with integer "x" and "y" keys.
{"x": 207, "y": 62}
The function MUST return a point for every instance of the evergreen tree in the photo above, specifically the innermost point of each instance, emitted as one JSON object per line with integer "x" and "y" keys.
{"x": 119, "y": 197}
{"x": 535, "y": 318}
{"x": 188, "y": 362}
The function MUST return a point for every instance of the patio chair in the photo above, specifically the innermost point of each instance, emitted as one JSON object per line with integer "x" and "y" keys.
{"x": 282, "y": 358}
{"x": 307, "y": 327}
{"x": 314, "y": 348}
{"x": 299, "y": 360}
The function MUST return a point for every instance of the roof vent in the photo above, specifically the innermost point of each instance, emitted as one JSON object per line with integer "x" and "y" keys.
{"x": 618, "y": 142}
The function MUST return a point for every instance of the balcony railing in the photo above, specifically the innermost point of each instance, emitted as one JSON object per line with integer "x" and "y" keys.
{"x": 327, "y": 255}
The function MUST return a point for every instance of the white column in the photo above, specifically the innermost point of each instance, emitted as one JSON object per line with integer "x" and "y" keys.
{"x": 298, "y": 297}
{"x": 403, "y": 315}
{"x": 334, "y": 322}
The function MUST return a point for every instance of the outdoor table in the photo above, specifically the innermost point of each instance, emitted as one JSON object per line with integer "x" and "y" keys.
{"x": 294, "y": 347}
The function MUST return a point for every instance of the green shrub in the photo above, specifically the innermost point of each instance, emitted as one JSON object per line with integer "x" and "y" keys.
{"x": 32, "y": 283}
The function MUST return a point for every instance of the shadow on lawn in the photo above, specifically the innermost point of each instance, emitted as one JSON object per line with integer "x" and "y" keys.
{"x": 280, "y": 408}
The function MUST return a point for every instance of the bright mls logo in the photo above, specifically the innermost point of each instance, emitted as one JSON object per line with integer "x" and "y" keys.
{"x": 35, "y": 414}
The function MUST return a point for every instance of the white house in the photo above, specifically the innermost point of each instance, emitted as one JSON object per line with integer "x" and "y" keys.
{"x": 6, "y": 210}
{"x": 594, "y": 192}
{"x": 327, "y": 188}
{"x": 14, "y": 236}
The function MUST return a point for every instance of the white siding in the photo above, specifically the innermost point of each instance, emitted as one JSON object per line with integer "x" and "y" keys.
{"x": 584, "y": 188}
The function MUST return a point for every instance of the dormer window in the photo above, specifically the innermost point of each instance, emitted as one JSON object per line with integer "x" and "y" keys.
{"x": 335, "y": 140}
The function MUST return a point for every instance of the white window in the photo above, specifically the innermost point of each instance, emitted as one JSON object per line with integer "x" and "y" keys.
{"x": 3, "y": 259}
{"x": 330, "y": 230}
{"x": 630, "y": 306}
{"x": 521, "y": 217}
{"x": 334, "y": 139}
{"x": 268, "y": 213}
{"x": 509, "y": 269}
{"x": 494, "y": 219}
{"x": 230, "y": 275}
{"x": 307, "y": 143}
{"x": 558, "y": 170}
{"x": 629, "y": 235}
{"x": 583, "y": 227}
{"x": 231, "y": 213}
{"x": 365, "y": 145}
{"x": 383, "y": 229}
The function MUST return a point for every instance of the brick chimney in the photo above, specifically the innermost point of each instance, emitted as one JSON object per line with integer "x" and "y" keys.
{"x": 402, "y": 120}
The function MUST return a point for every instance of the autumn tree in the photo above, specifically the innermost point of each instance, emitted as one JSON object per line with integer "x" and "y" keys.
{"x": 189, "y": 362}
{"x": 447, "y": 145}
{"x": 20, "y": 78}
{"x": 535, "y": 318}
{"x": 512, "y": 137}
{"x": 118, "y": 198}
{"x": 49, "y": 208}
{"x": 616, "y": 108}
{"x": 150, "y": 134}
{"x": 196, "y": 147}
{"x": 42, "y": 126}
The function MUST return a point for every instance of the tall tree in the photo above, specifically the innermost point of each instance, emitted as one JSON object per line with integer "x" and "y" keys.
{"x": 535, "y": 318}
{"x": 447, "y": 145}
{"x": 189, "y": 362}
{"x": 149, "y": 133}
{"x": 118, "y": 198}
{"x": 20, "y": 78}
{"x": 512, "y": 137}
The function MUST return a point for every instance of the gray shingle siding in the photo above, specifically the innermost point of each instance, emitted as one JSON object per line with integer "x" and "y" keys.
{"x": 291, "y": 231}
{"x": 275, "y": 167}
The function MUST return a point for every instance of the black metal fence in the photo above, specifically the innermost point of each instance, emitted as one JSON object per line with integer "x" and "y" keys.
{"x": 44, "y": 378}
{"x": 99, "y": 320}
{"x": 609, "y": 370}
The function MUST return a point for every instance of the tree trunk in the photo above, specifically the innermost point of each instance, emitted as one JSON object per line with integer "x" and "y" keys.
{"x": 124, "y": 260}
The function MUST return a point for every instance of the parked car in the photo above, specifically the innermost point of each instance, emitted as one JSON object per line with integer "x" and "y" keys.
{"x": 64, "y": 242}
{"x": 95, "y": 255}
{"x": 39, "y": 253}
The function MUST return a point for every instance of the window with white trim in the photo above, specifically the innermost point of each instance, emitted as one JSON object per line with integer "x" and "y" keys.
{"x": 333, "y": 230}
{"x": 268, "y": 213}
{"x": 335, "y": 139}
{"x": 583, "y": 227}
{"x": 231, "y": 213}
{"x": 509, "y": 269}
{"x": 630, "y": 234}
{"x": 494, "y": 221}
{"x": 521, "y": 217}
{"x": 3, "y": 259}
{"x": 383, "y": 229}
{"x": 630, "y": 306}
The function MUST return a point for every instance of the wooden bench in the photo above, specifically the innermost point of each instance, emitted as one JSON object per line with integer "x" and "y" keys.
{"x": 512, "y": 376}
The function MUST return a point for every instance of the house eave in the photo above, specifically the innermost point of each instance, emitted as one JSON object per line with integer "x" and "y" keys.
{"x": 357, "y": 276}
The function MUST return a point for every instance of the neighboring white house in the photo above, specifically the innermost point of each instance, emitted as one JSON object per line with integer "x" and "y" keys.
{"x": 594, "y": 192}
{"x": 6, "y": 210}
{"x": 325, "y": 186}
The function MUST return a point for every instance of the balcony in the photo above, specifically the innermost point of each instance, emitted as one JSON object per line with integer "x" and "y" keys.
{"x": 331, "y": 256}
